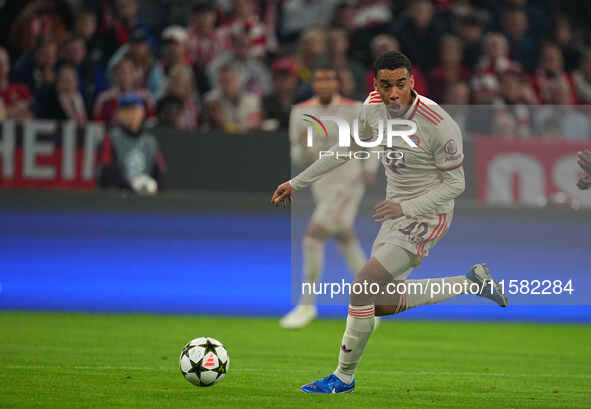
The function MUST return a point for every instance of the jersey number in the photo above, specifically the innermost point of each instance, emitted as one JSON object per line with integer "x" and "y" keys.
{"x": 414, "y": 232}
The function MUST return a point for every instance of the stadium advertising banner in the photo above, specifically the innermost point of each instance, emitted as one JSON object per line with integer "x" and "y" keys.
{"x": 48, "y": 154}
{"x": 528, "y": 172}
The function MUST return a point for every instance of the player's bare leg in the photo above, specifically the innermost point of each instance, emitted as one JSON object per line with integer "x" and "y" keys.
{"x": 313, "y": 254}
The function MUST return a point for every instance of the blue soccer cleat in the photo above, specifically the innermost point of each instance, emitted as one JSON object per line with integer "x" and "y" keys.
{"x": 489, "y": 288}
{"x": 330, "y": 384}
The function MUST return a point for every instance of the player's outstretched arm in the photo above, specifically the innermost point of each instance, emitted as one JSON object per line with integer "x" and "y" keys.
{"x": 283, "y": 194}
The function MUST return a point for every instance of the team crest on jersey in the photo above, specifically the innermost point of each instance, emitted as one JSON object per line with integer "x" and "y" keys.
{"x": 395, "y": 160}
{"x": 415, "y": 139}
{"x": 451, "y": 147}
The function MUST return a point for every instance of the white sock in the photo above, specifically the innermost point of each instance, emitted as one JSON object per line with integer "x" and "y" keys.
{"x": 353, "y": 254}
{"x": 360, "y": 325}
{"x": 313, "y": 251}
{"x": 433, "y": 290}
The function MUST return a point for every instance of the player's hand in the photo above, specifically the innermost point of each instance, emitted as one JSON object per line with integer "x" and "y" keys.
{"x": 584, "y": 161}
{"x": 368, "y": 178}
{"x": 282, "y": 195}
{"x": 387, "y": 210}
{"x": 584, "y": 181}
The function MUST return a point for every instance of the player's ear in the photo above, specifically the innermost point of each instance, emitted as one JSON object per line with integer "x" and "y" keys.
{"x": 412, "y": 81}
{"x": 375, "y": 82}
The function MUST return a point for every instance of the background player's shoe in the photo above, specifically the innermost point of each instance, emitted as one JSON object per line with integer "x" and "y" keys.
{"x": 330, "y": 384}
{"x": 298, "y": 317}
{"x": 489, "y": 288}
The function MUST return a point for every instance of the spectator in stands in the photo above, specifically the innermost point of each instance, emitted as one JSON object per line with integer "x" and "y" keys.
{"x": 229, "y": 106}
{"x": 582, "y": 79}
{"x": 174, "y": 48}
{"x": 86, "y": 28}
{"x": 571, "y": 123}
{"x": 16, "y": 98}
{"x": 129, "y": 156}
{"x": 91, "y": 77}
{"x": 419, "y": 34}
{"x": 338, "y": 46}
{"x": 149, "y": 75}
{"x": 450, "y": 68}
{"x": 300, "y": 15}
{"x": 344, "y": 17}
{"x": 457, "y": 100}
{"x": 64, "y": 101}
{"x": 457, "y": 93}
{"x": 254, "y": 75}
{"x": 495, "y": 58}
{"x": 277, "y": 105}
{"x": 206, "y": 43}
{"x": 470, "y": 30}
{"x": 382, "y": 44}
{"x": 563, "y": 36}
{"x": 125, "y": 21}
{"x": 372, "y": 13}
{"x": 168, "y": 111}
{"x": 485, "y": 89}
{"x": 347, "y": 84}
{"x": 551, "y": 75}
{"x": 182, "y": 85}
{"x": 247, "y": 23}
{"x": 124, "y": 82}
{"x": 39, "y": 19}
{"x": 312, "y": 46}
{"x": 522, "y": 45}
{"x": 511, "y": 107}
{"x": 36, "y": 69}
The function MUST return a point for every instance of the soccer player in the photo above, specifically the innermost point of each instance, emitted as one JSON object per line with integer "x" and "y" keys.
{"x": 422, "y": 184}
{"x": 337, "y": 195}
{"x": 584, "y": 162}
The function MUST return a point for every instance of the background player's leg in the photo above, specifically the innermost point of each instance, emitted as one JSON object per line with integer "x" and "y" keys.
{"x": 351, "y": 250}
{"x": 313, "y": 255}
{"x": 360, "y": 320}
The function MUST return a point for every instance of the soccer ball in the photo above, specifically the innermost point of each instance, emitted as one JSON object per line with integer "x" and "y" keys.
{"x": 204, "y": 361}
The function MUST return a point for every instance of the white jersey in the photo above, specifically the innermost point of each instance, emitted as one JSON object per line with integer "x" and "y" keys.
{"x": 344, "y": 178}
{"x": 420, "y": 169}
{"x": 425, "y": 179}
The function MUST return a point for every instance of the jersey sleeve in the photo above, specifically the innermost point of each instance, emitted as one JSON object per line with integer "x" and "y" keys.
{"x": 447, "y": 146}
{"x": 368, "y": 122}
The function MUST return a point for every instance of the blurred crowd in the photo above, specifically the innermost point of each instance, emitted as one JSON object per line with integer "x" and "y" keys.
{"x": 240, "y": 65}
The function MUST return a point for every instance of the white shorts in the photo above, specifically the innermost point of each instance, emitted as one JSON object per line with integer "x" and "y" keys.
{"x": 417, "y": 235}
{"x": 336, "y": 211}
{"x": 396, "y": 260}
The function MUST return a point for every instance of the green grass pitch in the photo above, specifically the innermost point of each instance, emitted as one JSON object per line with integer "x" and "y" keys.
{"x": 55, "y": 360}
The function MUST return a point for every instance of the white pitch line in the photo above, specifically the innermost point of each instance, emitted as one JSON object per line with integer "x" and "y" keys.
{"x": 382, "y": 372}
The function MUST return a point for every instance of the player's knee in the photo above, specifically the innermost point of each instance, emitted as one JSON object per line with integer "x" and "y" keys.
{"x": 317, "y": 231}
{"x": 345, "y": 237}
{"x": 381, "y": 310}
{"x": 369, "y": 283}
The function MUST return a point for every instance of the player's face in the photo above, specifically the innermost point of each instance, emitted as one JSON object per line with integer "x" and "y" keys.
{"x": 131, "y": 116}
{"x": 325, "y": 83}
{"x": 395, "y": 88}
